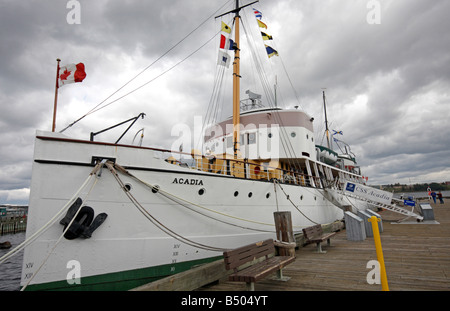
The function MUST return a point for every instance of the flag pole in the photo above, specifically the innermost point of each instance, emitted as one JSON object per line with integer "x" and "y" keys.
{"x": 56, "y": 96}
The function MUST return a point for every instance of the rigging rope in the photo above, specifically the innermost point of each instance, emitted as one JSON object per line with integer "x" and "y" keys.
{"x": 284, "y": 137}
{"x": 97, "y": 107}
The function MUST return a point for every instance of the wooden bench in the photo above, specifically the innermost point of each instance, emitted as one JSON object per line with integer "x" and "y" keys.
{"x": 253, "y": 254}
{"x": 315, "y": 234}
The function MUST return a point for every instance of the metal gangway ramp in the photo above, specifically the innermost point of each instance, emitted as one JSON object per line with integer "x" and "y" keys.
{"x": 391, "y": 207}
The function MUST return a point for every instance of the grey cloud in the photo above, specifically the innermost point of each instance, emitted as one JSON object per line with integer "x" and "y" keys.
{"x": 401, "y": 66}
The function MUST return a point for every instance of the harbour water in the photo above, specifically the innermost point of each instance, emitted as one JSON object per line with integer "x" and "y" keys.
{"x": 10, "y": 270}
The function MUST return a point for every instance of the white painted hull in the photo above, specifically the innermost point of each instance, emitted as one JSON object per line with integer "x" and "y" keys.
{"x": 224, "y": 216}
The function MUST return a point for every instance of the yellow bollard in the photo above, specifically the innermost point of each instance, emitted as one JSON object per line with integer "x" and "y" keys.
{"x": 376, "y": 236}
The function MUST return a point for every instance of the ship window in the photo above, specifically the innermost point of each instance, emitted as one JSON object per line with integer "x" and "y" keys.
{"x": 270, "y": 135}
{"x": 236, "y": 193}
{"x": 301, "y": 197}
{"x": 202, "y": 191}
{"x": 155, "y": 189}
{"x": 307, "y": 136}
{"x": 268, "y": 195}
{"x": 250, "y": 194}
{"x": 293, "y": 134}
{"x": 128, "y": 187}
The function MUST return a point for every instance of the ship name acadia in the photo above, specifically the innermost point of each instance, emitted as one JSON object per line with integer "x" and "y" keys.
{"x": 187, "y": 181}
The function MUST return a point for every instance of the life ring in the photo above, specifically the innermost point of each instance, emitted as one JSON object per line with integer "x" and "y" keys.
{"x": 80, "y": 223}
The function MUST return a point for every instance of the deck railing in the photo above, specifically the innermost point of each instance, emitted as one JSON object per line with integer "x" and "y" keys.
{"x": 244, "y": 168}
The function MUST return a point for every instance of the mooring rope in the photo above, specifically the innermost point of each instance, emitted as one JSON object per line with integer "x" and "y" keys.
{"x": 60, "y": 238}
{"x": 44, "y": 228}
{"x": 155, "y": 221}
{"x": 173, "y": 197}
{"x": 295, "y": 206}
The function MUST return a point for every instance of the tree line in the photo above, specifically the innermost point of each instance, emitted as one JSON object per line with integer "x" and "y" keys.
{"x": 416, "y": 187}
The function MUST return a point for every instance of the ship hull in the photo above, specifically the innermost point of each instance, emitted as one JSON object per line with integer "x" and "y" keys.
{"x": 187, "y": 216}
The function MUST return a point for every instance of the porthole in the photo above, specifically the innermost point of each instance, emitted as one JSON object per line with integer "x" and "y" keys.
{"x": 307, "y": 136}
{"x": 293, "y": 134}
{"x": 301, "y": 197}
{"x": 155, "y": 189}
{"x": 270, "y": 135}
{"x": 202, "y": 191}
{"x": 236, "y": 193}
{"x": 127, "y": 187}
{"x": 268, "y": 195}
{"x": 250, "y": 194}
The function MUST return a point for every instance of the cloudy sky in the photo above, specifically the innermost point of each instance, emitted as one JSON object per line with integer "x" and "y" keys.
{"x": 387, "y": 76}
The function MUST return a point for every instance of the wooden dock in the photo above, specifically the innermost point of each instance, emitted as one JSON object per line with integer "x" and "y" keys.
{"x": 10, "y": 225}
{"x": 416, "y": 255}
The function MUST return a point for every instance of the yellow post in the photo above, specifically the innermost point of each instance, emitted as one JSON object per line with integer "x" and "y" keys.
{"x": 376, "y": 236}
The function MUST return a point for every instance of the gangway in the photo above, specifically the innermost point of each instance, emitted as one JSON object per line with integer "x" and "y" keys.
{"x": 391, "y": 207}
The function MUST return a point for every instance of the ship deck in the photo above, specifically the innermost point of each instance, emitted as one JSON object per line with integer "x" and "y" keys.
{"x": 416, "y": 255}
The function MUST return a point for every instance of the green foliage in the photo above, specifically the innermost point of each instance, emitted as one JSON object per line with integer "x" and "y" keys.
{"x": 416, "y": 187}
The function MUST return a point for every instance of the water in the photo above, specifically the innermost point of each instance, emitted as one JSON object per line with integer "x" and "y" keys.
{"x": 11, "y": 270}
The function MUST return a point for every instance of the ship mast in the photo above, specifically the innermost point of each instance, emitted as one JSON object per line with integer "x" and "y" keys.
{"x": 327, "y": 131}
{"x": 236, "y": 85}
{"x": 236, "y": 78}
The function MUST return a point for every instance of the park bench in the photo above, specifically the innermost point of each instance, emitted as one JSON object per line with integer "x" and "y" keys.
{"x": 315, "y": 234}
{"x": 262, "y": 263}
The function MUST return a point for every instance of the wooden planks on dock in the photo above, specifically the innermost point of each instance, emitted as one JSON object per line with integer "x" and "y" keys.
{"x": 417, "y": 257}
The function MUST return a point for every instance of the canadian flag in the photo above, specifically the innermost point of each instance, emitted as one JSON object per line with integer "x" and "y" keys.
{"x": 71, "y": 73}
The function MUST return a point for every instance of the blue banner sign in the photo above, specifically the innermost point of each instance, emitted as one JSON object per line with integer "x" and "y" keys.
{"x": 409, "y": 203}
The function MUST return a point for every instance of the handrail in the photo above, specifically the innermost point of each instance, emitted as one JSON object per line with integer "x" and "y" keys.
{"x": 245, "y": 169}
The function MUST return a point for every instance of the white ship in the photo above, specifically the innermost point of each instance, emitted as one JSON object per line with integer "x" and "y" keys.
{"x": 110, "y": 216}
